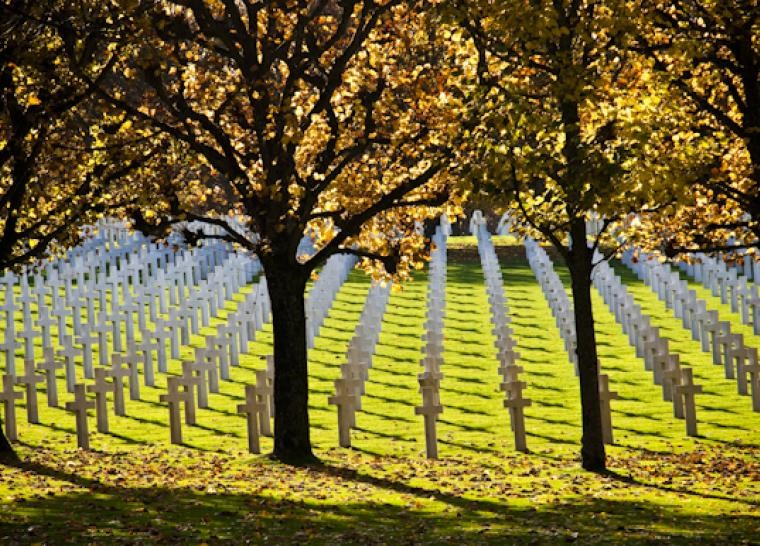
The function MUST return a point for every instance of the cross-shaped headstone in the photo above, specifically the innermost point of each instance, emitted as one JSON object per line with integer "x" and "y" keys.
{"x": 69, "y": 353}
{"x": 87, "y": 340}
{"x": 160, "y": 335}
{"x": 119, "y": 370}
{"x": 207, "y": 365}
{"x": 252, "y": 408}
{"x": 752, "y": 367}
{"x": 430, "y": 409}
{"x": 265, "y": 390}
{"x": 101, "y": 388}
{"x": 516, "y": 405}
{"x": 190, "y": 382}
{"x": 30, "y": 380}
{"x": 174, "y": 398}
{"x": 79, "y": 406}
{"x": 146, "y": 346}
{"x": 132, "y": 360}
{"x": 687, "y": 389}
{"x": 50, "y": 365}
{"x": 45, "y": 322}
{"x": 8, "y": 397}
{"x": 216, "y": 349}
{"x": 605, "y": 395}
{"x": 345, "y": 399}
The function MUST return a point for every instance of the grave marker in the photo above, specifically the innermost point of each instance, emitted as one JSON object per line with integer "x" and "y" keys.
{"x": 101, "y": 388}
{"x": 79, "y": 406}
{"x": 687, "y": 389}
{"x": 30, "y": 380}
{"x": 605, "y": 395}
{"x": 174, "y": 398}
{"x": 8, "y": 397}
{"x": 252, "y": 408}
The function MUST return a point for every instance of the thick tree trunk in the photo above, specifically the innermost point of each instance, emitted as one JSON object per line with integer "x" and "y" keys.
{"x": 580, "y": 265}
{"x": 292, "y": 441}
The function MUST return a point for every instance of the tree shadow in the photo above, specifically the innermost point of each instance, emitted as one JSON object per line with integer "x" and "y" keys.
{"x": 108, "y": 514}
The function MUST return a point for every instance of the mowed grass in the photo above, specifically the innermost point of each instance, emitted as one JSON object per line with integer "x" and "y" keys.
{"x": 134, "y": 487}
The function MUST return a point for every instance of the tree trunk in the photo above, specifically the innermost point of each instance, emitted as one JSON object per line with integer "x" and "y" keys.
{"x": 6, "y": 450}
{"x": 580, "y": 265}
{"x": 287, "y": 284}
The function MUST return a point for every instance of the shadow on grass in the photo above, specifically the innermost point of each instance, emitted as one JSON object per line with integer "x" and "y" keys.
{"x": 103, "y": 513}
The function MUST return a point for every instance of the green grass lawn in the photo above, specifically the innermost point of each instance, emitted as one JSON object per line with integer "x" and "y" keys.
{"x": 134, "y": 487}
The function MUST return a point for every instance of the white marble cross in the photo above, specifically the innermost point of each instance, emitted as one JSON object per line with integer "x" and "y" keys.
{"x": 87, "y": 340}
{"x": 345, "y": 399}
{"x": 174, "y": 398}
{"x": 265, "y": 390}
{"x": 687, "y": 389}
{"x": 30, "y": 380}
{"x": 8, "y": 397}
{"x": 50, "y": 365}
{"x": 252, "y": 408}
{"x": 69, "y": 353}
{"x": 516, "y": 405}
{"x": 146, "y": 346}
{"x": 119, "y": 371}
{"x": 101, "y": 388}
{"x": 79, "y": 406}
{"x": 605, "y": 395}
{"x": 430, "y": 409}
{"x": 190, "y": 383}
{"x": 752, "y": 367}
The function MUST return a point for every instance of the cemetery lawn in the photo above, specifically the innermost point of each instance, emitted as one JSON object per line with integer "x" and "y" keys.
{"x": 134, "y": 487}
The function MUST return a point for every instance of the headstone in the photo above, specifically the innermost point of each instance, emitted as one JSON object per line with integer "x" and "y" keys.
{"x": 265, "y": 390}
{"x": 118, "y": 372}
{"x": 8, "y": 397}
{"x": 752, "y": 367}
{"x": 430, "y": 409}
{"x": 79, "y": 406}
{"x": 87, "y": 340}
{"x": 516, "y": 405}
{"x": 30, "y": 380}
{"x": 251, "y": 408}
{"x": 605, "y": 395}
{"x": 190, "y": 383}
{"x": 101, "y": 388}
{"x": 174, "y": 398}
{"x": 146, "y": 346}
{"x": 345, "y": 399}
{"x": 687, "y": 389}
{"x": 69, "y": 354}
{"x": 50, "y": 366}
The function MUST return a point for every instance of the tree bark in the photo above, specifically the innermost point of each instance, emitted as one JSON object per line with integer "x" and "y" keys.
{"x": 7, "y": 454}
{"x": 580, "y": 264}
{"x": 292, "y": 440}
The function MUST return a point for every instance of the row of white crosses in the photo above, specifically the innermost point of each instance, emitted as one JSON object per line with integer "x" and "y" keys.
{"x": 354, "y": 372}
{"x": 677, "y": 382}
{"x": 432, "y": 350}
{"x": 728, "y": 349}
{"x": 136, "y": 275}
{"x": 555, "y": 295}
{"x": 503, "y": 340}
{"x": 726, "y": 282}
{"x": 323, "y": 292}
{"x": 213, "y": 362}
{"x": 199, "y": 377}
